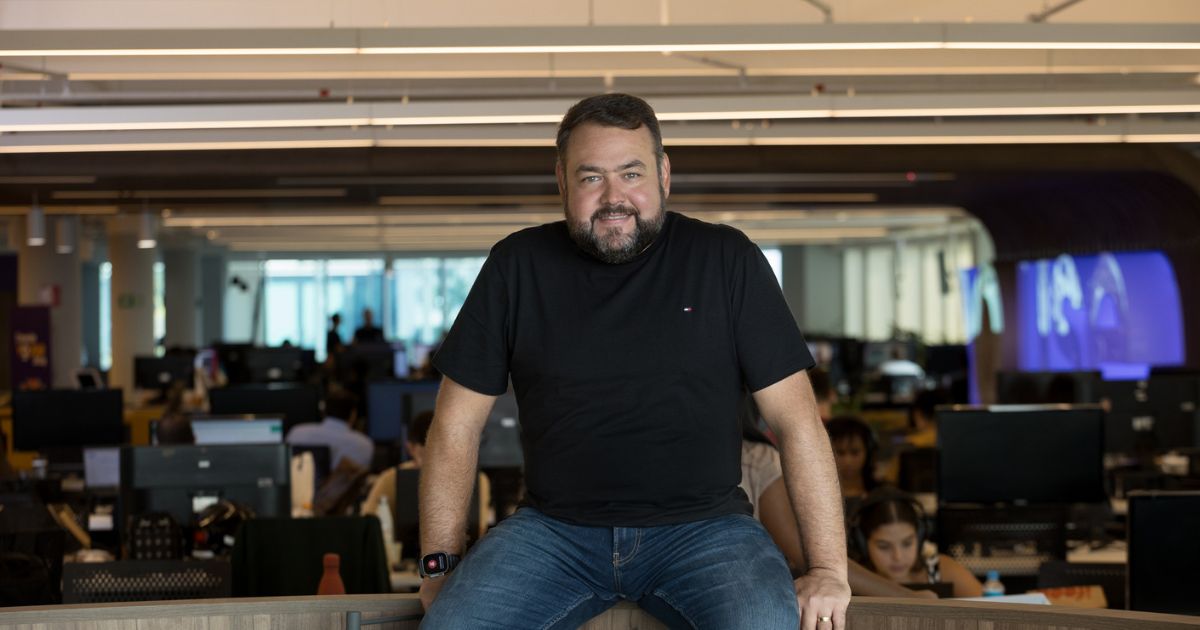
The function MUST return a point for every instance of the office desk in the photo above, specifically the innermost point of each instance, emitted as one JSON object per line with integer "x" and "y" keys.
{"x": 1111, "y": 554}
{"x": 866, "y": 613}
{"x": 406, "y": 581}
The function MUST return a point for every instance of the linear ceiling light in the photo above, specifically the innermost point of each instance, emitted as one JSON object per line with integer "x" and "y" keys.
{"x": 602, "y": 39}
{"x": 515, "y": 114}
{"x": 218, "y": 193}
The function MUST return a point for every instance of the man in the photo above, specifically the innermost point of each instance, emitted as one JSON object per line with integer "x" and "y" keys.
{"x": 629, "y": 333}
{"x": 368, "y": 332}
{"x": 333, "y": 338}
{"x": 338, "y": 431}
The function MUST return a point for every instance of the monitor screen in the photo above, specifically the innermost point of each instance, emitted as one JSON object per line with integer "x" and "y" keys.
{"x": 1151, "y": 415}
{"x": 53, "y": 418}
{"x": 406, "y": 512}
{"x": 1163, "y": 548}
{"x": 183, "y": 480}
{"x": 366, "y": 362}
{"x": 160, "y": 372}
{"x": 102, "y": 467}
{"x": 391, "y": 403}
{"x": 500, "y": 444}
{"x": 1045, "y": 388}
{"x": 282, "y": 364}
{"x": 298, "y": 403}
{"x": 238, "y": 430}
{"x": 1021, "y": 454}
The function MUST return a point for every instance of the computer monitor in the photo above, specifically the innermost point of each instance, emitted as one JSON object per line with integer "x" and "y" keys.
{"x": 1041, "y": 388}
{"x": 153, "y": 373}
{"x": 1021, "y": 454}
{"x": 102, "y": 468}
{"x": 1163, "y": 547}
{"x": 297, "y": 402}
{"x": 237, "y": 430}
{"x": 71, "y": 418}
{"x": 406, "y": 513}
{"x": 1151, "y": 415}
{"x": 500, "y": 444}
{"x": 183, "y": 480}
{"x": 367, "y": 362}
{"x": 281, "y": 364}
{"x": 390, "y": 404}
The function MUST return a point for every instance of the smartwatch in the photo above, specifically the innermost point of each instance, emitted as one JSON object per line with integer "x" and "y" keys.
{"x": 437, "y": 564}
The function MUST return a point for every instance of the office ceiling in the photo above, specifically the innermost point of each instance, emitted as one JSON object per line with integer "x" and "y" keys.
{"x": 352, "y": 126}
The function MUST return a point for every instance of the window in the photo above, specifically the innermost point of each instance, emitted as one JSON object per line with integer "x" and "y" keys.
{"x": 429, "y": 292}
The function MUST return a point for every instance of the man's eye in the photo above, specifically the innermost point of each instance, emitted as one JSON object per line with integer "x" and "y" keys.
{"x": 632, "y": 175}
{"x": 591, "y": 179}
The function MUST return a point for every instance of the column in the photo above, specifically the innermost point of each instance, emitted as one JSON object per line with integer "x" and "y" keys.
{"x": 47, "y": 277}
{"x": 213, "y": 272}
{"x": 132, "y": 299}
{"x": 181, "y": 295}
{"x": 813, "y": 286}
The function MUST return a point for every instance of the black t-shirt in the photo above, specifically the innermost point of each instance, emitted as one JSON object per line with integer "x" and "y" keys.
{"x": 628, "y": 377}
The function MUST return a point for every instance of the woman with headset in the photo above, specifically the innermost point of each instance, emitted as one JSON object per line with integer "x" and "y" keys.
{"x": 762, "y": 481}
{"x": 887, "y": 533}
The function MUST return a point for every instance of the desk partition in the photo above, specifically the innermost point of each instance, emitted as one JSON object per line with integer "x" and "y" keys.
{"x": 339, "y": 611}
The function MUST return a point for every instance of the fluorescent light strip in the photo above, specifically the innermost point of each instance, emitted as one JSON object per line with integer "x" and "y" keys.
{"x": 513, "y": 114}
{"x": 176, "y": 52}
{"x": 200, "y": 194}
{"x": 61, "y": 210}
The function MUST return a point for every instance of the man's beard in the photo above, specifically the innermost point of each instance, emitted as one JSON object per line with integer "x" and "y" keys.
{"x": 612, "y": 246}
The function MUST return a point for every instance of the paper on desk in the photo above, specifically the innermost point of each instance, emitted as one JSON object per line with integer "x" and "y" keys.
{"x": 1027, "y": 598}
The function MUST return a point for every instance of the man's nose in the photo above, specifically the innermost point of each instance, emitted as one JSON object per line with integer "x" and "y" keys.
{"x": 612, "y": 193}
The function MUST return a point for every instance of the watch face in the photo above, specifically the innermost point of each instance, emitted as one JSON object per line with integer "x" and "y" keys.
{"x": 435, "y": 563}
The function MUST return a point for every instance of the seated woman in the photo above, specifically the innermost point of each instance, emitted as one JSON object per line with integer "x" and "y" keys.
{"x": 762, "y": 481}
{"x": 888, "y": 535}
{"x": 854, "y": 448}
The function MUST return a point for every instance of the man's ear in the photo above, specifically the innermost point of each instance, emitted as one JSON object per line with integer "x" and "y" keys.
{"x": 666, "y": 176}
{"x": 561, "y": 177}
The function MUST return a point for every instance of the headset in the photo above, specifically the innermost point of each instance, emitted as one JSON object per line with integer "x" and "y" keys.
{"x": 881, "y": 496}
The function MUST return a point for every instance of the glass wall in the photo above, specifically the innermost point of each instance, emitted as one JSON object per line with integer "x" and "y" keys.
{"x": 429, "y": 293}
{"x": 414, "y": 300}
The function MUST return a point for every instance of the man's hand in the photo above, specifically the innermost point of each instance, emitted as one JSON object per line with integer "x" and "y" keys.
{"x": 822, "y": 597}
{"x": 430, "y": 587}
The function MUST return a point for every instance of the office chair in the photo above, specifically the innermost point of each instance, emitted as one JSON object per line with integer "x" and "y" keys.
{"x": 283, "y": 556}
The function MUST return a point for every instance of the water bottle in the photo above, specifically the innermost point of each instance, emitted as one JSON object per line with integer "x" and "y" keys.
{"x": 992, "y": 587}
{"x": 331, "y": 579}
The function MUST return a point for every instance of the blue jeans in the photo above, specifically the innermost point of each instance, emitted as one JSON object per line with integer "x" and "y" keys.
{"x": 532, "y": 571}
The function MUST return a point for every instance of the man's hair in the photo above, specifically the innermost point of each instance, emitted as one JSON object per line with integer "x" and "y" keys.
{"x": 418, "y": 427}
{"x": 340, "y": 403}
{"x": 926, "y": 402}
{"x": 610, "y": 110}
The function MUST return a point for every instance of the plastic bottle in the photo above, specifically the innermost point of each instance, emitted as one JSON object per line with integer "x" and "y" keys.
{"x": 390, "y": 546}
{"x": 331, "y": 579}
{"x": 992, "y": 587}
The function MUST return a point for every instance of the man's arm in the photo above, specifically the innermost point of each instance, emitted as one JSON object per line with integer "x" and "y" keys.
{"x": 449, "y": 471}
{"x": 811, "y": 478}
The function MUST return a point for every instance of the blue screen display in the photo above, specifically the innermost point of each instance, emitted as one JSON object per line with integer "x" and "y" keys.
{"x": 1118, "y": 313}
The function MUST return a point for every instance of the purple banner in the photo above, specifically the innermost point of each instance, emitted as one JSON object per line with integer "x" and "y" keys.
{"x": 1111, "y": 312}
{"x": 31, "y": 347}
